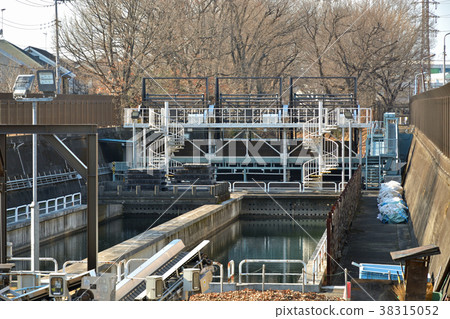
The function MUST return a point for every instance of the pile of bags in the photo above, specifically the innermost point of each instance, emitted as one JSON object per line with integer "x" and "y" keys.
{"x": 393, "y": 209}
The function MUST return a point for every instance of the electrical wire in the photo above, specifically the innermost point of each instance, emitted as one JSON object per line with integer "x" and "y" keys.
{"x": 29, "y": 25}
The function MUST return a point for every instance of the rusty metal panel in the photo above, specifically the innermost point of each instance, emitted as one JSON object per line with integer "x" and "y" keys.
{"x": 65, "y": 109}
{"x": 430, "y": 113}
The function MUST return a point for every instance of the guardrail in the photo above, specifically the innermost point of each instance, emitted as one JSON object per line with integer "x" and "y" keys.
{"x": 153, "y": 117}
{"x": 46, "y": 179}
{"x": 52, "y": 205}
{"x": 319, "y": 259}
{"x": 284, "y": 186}
{"x": 333, "y": 186}
{"x": 53, "y": 260}
{"x": 250, "y": 186}
{"x": 272, "y": 261}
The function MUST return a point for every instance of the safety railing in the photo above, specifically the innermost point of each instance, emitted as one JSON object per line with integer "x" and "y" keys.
{"x": 52, "y": 205}
{"x": 255, "y": 186}
{"x": 319, "y": 259}
{"x": 330, "y": 186}
{"x": 272, "y": 261}
{"x": 46, "y": 179}
{"x": 284, "y": 186}
{"x": 220, "y": 277}
{"x": 148, "y": 117}
{"x": 117, "y": 264}
{"x": 50, "y": 259}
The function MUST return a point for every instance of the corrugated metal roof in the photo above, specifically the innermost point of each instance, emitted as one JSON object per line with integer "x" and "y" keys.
{"x": 17, "y": 55}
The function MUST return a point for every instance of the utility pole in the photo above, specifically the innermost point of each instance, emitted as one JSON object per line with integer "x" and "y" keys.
{"x": 425, "y": 34}
{"x": 57, "y": 48}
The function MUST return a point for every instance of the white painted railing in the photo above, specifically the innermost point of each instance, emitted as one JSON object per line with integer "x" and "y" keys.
{"x": 52, "y": 205}
{"x": 322, "y": 185}
{"x": 272, "y": 261}
{"x": 200, "y": 116}
{"x": 284, "y": 186}
{"x": 320, "y": 258}
{"x": 260, "y": 186}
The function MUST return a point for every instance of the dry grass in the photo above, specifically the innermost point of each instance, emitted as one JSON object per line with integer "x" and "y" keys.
{"x": 400, "y": 291}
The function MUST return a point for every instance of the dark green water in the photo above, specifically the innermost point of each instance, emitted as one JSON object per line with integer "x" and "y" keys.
{"x": 74, "y": 247}
{"x": 244, "y": 239}
{"x": 267, "y": 239}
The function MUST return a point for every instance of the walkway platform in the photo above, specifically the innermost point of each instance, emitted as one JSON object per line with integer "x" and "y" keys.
{"x": 370, "y": 241}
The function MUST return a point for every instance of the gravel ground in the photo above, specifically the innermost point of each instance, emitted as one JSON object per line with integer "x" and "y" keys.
{"x": 269, "y": 295}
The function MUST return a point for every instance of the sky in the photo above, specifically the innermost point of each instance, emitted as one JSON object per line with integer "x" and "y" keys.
{"x": 31, "y": 23}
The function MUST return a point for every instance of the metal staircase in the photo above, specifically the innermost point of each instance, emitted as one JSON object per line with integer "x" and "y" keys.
{"x": 381, "y": 151}
{"x": 171, "y": 140}
{"x": 326, "y": 156}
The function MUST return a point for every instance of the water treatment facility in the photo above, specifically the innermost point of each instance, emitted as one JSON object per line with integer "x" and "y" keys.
{"x": 263, "y": 183}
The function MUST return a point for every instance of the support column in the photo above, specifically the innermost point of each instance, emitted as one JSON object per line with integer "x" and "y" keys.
{"x": 166, "y": 138}
{"x": 360, "y": 146}
{"x": 210, "y": 146}
{"x": 133, "y": 160}
{"x": 144, "y": 147}
{"x": 349, "y": 150}
{"x": 34, "y": 204}
{"x": 92, "y": 201}
{"x": 343, "y": 157}
{"x": 3, "y": 219}
{"x": 284, "y": 155}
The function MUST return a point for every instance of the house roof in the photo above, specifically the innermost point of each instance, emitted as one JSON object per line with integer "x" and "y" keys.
{"x": 46, "y": 58}
{"x": 18, "y": 55}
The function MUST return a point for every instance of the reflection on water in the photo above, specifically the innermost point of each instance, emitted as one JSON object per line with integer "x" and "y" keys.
{"x": 74, "y": 247}
{"x": 244, "y": 239}
{"x": 270, "y": 239}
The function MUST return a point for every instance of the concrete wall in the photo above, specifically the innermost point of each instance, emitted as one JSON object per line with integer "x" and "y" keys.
{"x": 427, "y": 192}
{"x": 191, "y": 227}
{"x": 305, "y": 206}
{"x": 56, "y": 225}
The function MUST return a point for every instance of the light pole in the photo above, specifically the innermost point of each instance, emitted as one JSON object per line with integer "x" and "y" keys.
{"x": 1, "y": 33}
{"x": 444, "y": 55}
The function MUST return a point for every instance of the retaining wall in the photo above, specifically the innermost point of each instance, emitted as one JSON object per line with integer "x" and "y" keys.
{"x": 59, "y": 224}
{"x": 427, "y": 192}
{"x": 191, "y": 227}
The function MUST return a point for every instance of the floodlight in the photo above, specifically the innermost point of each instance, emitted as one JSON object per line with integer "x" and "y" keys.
{"x": 348, "y": 115}
{"x": 46, "y": 82}
{"x": 22, "y": 86}
{"x": 135, "y": 115}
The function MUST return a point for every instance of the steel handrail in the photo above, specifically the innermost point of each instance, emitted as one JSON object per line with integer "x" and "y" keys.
{"x": 49, "y": 206}
{"x": 55, "y": 262}
{"x": 299, "y": 188}
{"x": 270, "y": 261}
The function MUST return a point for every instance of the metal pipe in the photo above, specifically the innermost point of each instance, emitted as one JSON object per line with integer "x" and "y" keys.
{"x": 220, "y": 273}
{"x": 34, "y": 204}
{"x": 55, "y": 262}
{"x": 263, "y": 276}
{"x": 350, "y": 146}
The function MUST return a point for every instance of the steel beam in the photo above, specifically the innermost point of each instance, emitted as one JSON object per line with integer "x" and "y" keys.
{"x": 2, "y": 199}
{"x": 92, "y": 190}
{"x": 48, "y": 129}
{"x": 67, "y": 154}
